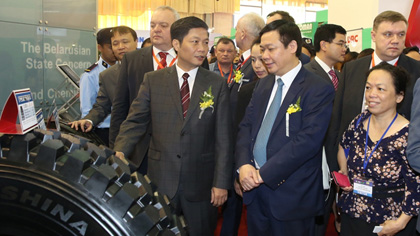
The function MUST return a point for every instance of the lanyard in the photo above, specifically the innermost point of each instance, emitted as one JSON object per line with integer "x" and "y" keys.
{"x": 373, "y": 61}
{"x": 221, "y": 72}
{"x": 158, "y": 62}
{"x": 239, "y": 67}
{"x": 377, "y": 144}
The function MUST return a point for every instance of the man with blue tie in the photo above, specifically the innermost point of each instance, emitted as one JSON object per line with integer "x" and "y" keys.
{"x": 278, "y": 148}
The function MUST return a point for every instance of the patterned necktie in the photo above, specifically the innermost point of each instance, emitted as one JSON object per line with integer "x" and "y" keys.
{"x": 185, "y": 94}
{"x": 162, "y": 62}
{"x": 260, "y": 146}
{"x": 334, "y": 79}
{"x": 241, "y": 61}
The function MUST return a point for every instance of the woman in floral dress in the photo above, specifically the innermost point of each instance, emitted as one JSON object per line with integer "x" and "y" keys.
{"x": 385, "y": 190}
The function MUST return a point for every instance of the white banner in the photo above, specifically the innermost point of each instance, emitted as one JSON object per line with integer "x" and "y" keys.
{"x": 354, "y": 40}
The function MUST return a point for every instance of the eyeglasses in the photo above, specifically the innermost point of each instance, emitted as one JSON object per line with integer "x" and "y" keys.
{"x": 342, "y": 44}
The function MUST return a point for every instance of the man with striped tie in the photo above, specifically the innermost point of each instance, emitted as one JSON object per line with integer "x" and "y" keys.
{"x": 190, "y": 152}
{"x": 330, "y": 47}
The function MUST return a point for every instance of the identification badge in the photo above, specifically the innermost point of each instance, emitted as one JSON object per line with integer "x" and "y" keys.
{"x": 363, "y": 187}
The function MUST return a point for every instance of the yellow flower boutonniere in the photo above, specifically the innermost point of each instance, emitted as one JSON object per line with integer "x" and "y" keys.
{"x": 207, "y": 101}
{"x": 293, "y": 108}
{"x": 239, "y": 78}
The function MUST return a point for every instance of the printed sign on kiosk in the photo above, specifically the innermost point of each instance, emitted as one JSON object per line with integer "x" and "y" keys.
{"x": 19, "y": 105}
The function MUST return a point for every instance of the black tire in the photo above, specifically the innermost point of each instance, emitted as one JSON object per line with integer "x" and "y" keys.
{"x": 58, "y": 184}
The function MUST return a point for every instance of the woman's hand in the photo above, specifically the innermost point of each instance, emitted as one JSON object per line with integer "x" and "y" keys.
{"x": 392, "y": 227}
{"x": 349, "y": 188}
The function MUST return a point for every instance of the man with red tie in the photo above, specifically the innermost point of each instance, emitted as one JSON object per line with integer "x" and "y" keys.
{"x": 187, "y": 107}
{"x": 330, "y": 47}
{"x": 133, "y": 67}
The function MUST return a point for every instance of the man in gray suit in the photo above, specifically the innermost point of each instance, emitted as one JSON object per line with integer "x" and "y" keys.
{"x": 190, "y": 152}
{"x": 133, "y": 67}
{"x": 123, "y": 40}
{"x": 330, "y": 47}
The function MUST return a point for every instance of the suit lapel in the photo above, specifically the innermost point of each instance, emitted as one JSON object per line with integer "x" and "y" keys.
{"x": 174, "y": 90}
{"x": 290, "y": 98}
{"x": 321, "y": 72}
{"x": 200, "y": 86}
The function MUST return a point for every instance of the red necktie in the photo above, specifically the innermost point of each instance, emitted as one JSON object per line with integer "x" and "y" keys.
{"x": 162, "y": 56}
{"x": 185, "y": 94}
{"x": 334, "y": 79}
{"x": 241, "y": 60}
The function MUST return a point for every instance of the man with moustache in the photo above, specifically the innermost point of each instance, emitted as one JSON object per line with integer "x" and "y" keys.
{"x": 190, "y": 152}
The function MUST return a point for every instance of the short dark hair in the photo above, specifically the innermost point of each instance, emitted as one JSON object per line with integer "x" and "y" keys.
{"x": 391, "y": 16}
{"x": 225, "y": 40}
{"x": 327, "y": 33}
{"x": 104, "y": 36}
{"x": 365, "y": 52}
{"x": 399, "y": 75}
{"x": 146, "y": 41}
{"x": 284, "y": 15}
{"x": 181, "y": 27}
{"x": 124, "y": 30}
{"x": 411, "y": 49}
{"x": 256, "y": 41}
{"x": 288, "y": 31}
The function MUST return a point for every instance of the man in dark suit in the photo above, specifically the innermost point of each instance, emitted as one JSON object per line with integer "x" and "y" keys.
{"x": 388, "y": 33}
{"x": 133, "y": 67}
{"x": 123, "y": 40}
{"x": 413, "y": 147}
{"x": 190, "y": 153}
{"x": 278, "y": 151}
{"x": 330, "y": 47}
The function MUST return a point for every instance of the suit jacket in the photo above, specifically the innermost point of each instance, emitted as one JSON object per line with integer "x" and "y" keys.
{"x": 194, "y": 153}
{"x": 102, "y": 107}
{"x": 249, "y": 74}
{"x": 413, "y": 148}
{"x": 133, "y": 67}
{"x": 292, "y": 172}
{"x": 350, "y": 92}
{"x": 314, "y": 67}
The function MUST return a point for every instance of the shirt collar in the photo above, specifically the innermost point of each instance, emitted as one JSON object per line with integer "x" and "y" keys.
{"x": 290, "y": 76}
{"x": 246, "y": 54}
{"x": 378, "y": 60}
{"x": 180, "y": 72}
{"x": 323, "y": 65}
{"x": 171, "y": 52}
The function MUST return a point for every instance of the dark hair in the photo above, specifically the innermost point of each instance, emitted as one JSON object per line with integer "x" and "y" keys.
{"x": 391, "y": 16}
{"x": 225, "y": 40}
{"x": 284, "y": 15}
{"x": 287, "y": 31}
{"x": 104, "y": 36}
{"x": 411, "y": 49}
{"x": 327, "y": 33}
{"x": 256, "y": 41}
{"x": 399, "y": 76}
{"x": 365, "y": 52}
{"x": 310, "y": 49}
{"x": 124, "y": 30}
{"x": 146, "y": 41}
{"x": 181, "y": 27}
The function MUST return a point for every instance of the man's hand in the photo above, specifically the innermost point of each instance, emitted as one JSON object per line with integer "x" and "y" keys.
{"x": 85, "y": 125}
{"x": 249, "y": 177}
{"x": 238, "y": 188}
{"x": 218, "y": 196}
{"x": 121, "y": 156}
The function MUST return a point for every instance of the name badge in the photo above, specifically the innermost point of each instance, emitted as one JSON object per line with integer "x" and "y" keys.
{"x": 363, "y": 187}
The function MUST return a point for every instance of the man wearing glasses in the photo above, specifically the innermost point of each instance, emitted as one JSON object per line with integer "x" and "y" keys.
{"x": 330, "y": 46}
{"x": 388, "y": 33}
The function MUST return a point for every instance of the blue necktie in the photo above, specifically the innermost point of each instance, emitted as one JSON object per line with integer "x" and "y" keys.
{"x": 260, "y": 146}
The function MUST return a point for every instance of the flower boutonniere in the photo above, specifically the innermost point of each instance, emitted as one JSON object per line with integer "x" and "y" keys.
{"x": 239, "y": 78}
{"x": 207, "y": 101}
{"x": 293, "y": 108}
